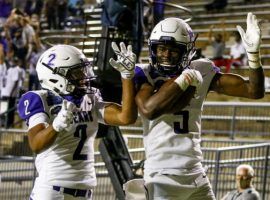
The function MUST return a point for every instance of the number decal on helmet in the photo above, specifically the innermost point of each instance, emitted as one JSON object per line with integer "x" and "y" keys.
{"x": 52, "y": 58}
{"x": 62, "y": 68}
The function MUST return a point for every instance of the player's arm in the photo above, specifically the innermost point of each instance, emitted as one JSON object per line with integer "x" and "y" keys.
{"x": 153, "y": 104}
{"x": 41, "y": 137}
{"x": 235, "y": 85}
{"x": 41, "y": 134}
{"x": 126, "y": 113}
{"x": 31, "y": 109}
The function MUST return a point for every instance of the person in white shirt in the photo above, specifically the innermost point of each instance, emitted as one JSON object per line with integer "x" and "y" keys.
{"x": 238, "y": 52}
{"x": 245, "y": 190}
{"x": 13, "y": 82}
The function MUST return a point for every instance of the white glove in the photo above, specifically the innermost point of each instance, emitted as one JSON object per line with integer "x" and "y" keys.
{"x": 64, "y": 119}
{"x": 251, "y": 40}
{"x": 189, "y": 77}
{"x": 125, "y": 62}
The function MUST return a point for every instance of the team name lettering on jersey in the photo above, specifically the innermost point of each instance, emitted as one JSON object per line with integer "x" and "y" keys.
{"x": 83, "y": 116}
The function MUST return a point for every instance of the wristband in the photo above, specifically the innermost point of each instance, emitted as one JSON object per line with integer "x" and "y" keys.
{"x": 127, "y": 75}
{"x": 182, "y": 82}
{"x": 254, "y": 60}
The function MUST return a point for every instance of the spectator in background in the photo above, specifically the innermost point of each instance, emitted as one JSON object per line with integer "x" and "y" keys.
{"x": 33, "y": 77}
{"x": 62, "y": 6}
{"x": 76, "y": 7}
{"x": 3, "y": 68}
{"x": 35, "y": 23}
{"x": 122, "y": 19}
{"x": 50, "y": 10}
{"x": 216, "y": 5}
{"x": 33, "y": 7}
{"x": 29, "y": 34}
{"x": 3, "y": 71}
{"x": 158, "y": 11}
{"x": 127, "y": 17}
{"x": 21, "y": 36}
{"x": 245, "y": 189}
{"x": 153, "y": 12}
{"x": 19, "y": 44}
{"x": 13, "y": 34}
{"x": 238, "y": 52}
{"x": 218, "y": 44}
{"x": 11, "y": 90}
{"x": 12, "y": 24}
{"x": 3, "y": 41}
{"x": 5, "y": 9}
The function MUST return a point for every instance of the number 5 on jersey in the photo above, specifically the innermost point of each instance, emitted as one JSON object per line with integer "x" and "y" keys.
{"x": 181, "y": 126}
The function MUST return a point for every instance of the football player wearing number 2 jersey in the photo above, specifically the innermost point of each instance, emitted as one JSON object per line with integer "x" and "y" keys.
{"x": 170, "y": 96}
{"x": 63, "y": 119}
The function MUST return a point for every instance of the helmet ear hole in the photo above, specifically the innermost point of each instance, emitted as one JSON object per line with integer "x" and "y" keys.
{"x": 53, "y": 80}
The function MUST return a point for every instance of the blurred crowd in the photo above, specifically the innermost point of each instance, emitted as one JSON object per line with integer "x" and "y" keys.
{"x": 223, "y": 58}
{"x": 21, "y": 47}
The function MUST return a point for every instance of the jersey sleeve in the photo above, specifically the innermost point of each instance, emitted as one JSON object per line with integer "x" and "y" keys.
{"x": 205, "y": 66}
{"x": 140, "y": 77}
{"x": 100, "y": 107}
{"x": 30, "y": 104}
{"x": 208, "y": 71}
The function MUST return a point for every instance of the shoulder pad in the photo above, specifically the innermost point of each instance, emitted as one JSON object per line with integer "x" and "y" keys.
{"x": 31, "y": 103}
{"x": 53, "y": 99}
{"x": 141, "y": 73}
{"x": 204, "y": 65}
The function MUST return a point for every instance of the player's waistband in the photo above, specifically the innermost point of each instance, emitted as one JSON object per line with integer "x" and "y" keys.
{"x": 73, "y": 192}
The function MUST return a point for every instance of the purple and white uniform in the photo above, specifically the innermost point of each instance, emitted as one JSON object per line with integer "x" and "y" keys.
{"x": 71, "y": 152}
{"x": 172, "y": 141}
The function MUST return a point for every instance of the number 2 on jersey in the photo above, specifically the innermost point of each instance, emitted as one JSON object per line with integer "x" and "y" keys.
{"x": 80, "y": 133}
{"x": 181, "y": 127}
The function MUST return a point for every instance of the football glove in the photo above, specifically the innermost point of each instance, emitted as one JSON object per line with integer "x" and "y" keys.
{"x": 125, "y": 62}
{"x": 64, "y": 119}
{"x": 251, "y": 40}
{"x": 189, "y": 77}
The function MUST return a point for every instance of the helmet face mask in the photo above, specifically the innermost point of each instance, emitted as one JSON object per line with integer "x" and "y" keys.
{"x": 65, "y": 70}
{"x": 169, "y": 56}
{"x": 177, "y": 37}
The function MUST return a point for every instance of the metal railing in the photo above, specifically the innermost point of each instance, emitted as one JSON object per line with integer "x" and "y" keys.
{"x": 230, "y": 119}
{"x": 178, "y": 7}
{"x": 18, "y": 172}
{"x": 236, "y": 118}
{"x": 222, "y": 163}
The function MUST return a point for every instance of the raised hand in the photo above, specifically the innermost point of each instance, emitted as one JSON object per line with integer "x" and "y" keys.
{"x": 251, "y": 40}
{"x": 125, "y": 62}
{"x": 64, "y": 119}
